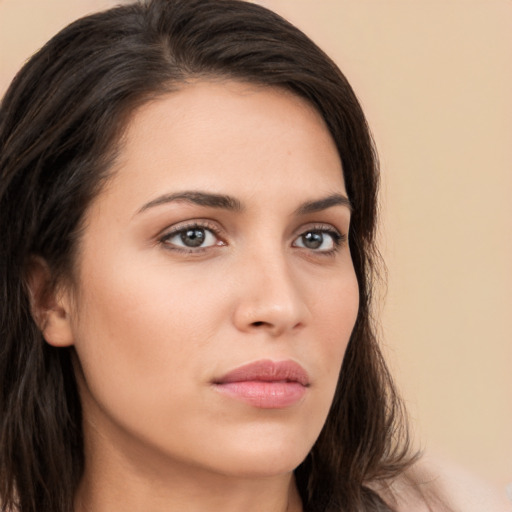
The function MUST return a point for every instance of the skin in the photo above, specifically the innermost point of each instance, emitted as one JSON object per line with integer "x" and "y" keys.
{"x": 154, "y": 323}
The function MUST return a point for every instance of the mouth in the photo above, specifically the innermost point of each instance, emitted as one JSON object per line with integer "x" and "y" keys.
{"x": 265, "y": 384}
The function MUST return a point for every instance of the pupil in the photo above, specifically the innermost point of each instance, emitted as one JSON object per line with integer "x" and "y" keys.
{"x": 193, "y": 237}
{"x": 313, "y": 239}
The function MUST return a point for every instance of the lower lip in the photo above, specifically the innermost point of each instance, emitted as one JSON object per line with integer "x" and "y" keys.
{"x": 265, "y": 395}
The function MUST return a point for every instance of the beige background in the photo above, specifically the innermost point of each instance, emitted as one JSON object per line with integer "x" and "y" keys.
{"x": 435, "y": 78}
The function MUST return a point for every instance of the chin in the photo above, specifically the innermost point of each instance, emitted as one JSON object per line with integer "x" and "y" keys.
{"x": 263, "y": 454}
{"x": 255, "y": 466}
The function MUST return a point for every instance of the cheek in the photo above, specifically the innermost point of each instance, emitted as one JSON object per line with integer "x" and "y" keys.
{"x": 338, "y": 306}
{"x": 137, "y": 338}
{"x": 334, "y": 308}
{"x": 341, "y": 310}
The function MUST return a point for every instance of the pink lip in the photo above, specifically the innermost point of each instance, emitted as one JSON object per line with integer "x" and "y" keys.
{"x": 265, "y": 384}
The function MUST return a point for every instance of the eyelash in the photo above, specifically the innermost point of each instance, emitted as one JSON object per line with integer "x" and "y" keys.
{"x": 177, "y": 230}
{"x": 337, "y": 238}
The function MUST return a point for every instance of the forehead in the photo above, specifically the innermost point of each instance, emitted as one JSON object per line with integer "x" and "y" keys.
{"x": 233, "y": 135}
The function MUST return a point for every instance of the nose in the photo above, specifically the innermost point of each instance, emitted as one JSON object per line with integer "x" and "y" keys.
{"x": 269, "y": 298}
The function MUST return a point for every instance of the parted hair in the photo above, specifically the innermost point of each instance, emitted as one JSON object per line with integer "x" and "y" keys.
{"x": 60, "y": 125}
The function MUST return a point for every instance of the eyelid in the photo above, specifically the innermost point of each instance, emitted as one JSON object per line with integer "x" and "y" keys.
{"x": 320, "y": 226}
{"x": 339, "y": 238}
{"x": 175, "y": 229}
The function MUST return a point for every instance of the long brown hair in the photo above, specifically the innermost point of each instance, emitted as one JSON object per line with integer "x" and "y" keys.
{"x": 59, "y": 124}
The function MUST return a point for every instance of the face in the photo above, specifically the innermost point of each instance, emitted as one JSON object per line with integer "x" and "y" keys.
{"x": 216, "y": 293}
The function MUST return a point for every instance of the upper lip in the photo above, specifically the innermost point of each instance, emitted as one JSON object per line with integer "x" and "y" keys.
{"x": 267, "y": 371}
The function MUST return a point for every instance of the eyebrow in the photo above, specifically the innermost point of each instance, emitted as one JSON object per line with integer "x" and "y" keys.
{"x": 323, "y": 204}
{"x": 230, "y": 203}
{"x": 200, "y": 198}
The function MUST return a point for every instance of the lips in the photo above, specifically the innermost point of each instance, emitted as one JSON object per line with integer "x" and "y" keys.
{"x": 265, "y": 384}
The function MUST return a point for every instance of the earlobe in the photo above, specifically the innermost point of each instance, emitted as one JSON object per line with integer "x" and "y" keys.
{"x": 50, "y": 305}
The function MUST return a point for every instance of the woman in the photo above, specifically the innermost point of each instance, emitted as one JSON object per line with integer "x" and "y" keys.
{"x": 186, "y": 320}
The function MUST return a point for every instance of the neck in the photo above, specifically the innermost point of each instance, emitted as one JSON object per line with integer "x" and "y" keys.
{"x": 129, "y": 492}
{"x": 122, "y": 477}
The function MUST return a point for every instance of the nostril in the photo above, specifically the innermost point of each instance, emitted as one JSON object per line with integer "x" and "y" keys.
{"x": 258, "y": 324}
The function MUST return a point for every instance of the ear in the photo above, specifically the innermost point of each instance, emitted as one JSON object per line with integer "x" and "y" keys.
{"x": 50, "y": 305}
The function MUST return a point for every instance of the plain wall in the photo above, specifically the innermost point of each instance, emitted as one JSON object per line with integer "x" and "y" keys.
{"x": 435, "y": 79}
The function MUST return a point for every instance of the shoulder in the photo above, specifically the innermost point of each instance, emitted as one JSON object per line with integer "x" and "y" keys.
{"x": 435, "y": 485}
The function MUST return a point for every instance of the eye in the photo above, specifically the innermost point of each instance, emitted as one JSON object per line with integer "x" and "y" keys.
{"x": 191, "y": 237}
{"x": 320, "y": 240}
